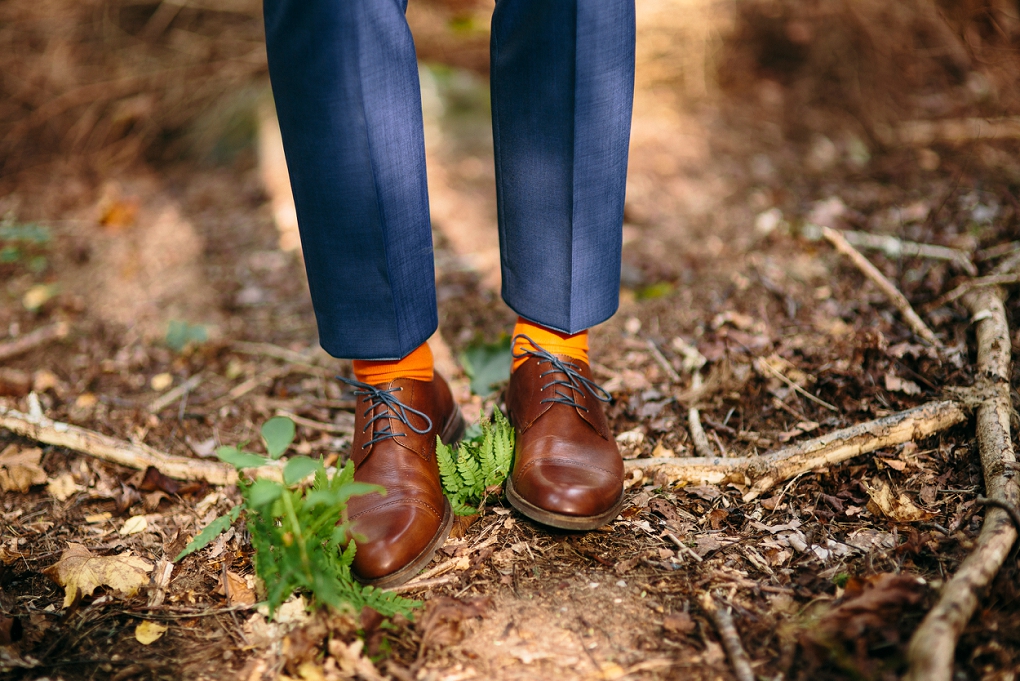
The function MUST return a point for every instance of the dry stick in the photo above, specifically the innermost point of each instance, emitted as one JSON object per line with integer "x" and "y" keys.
{"x": 661, "y": 360}
{"x": 730, "y": 638}
{"x": 138, "y": 456}
{"x": 346, "y": 428}
{"x": 886, "y": 286}
{"x": 34, "y": 339}
{"x": 998, "y": 251}
{"x": 274, "y": 351}
{"x": 764, "y": 471}
{"x": 701, "y": 444}
{"x": 933, "y": 645}
{"x": 164, "y": 401}
{"x": 793, "y": 386}
{"x": 898, "y": 248}
{"x": 952, "y": 130}
{"x": 971, "y": 285}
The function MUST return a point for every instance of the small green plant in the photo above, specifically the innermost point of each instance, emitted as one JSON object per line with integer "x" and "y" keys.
{"x": 24, "y": 243}
{"x": 479, "y": 464}
{"x": 300, "y": 534}
{"x": 487, "y": 365}
{"x": 180, "y": 334}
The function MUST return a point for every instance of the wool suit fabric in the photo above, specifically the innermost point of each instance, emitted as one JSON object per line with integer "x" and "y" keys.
{"x": 345, "y": 80}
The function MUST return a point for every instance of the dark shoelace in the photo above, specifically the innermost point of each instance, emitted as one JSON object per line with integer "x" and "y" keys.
{"x": 392, "y": 409}
{"x": 574, "y": 382}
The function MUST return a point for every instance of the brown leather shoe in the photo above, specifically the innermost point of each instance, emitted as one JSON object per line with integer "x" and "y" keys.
{"x": 567, "y": 472}
{"x": 395, "y": 428}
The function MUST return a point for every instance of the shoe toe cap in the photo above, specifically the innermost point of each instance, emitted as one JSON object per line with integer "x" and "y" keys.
{"x": 569, "y": 487}
{"x": 391, "y": 536}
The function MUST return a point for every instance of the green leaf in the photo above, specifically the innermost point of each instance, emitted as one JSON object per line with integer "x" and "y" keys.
{"x": 447, "y": 467}
{"x": 487, "y": 364}
{"x": 238, "y": 459}
{"x": 179, "y": 334}
{"x": 354, "y": 489}
{"x": 653, "y": 291}
{"x": 263, "y": 492}
{"x": 210, "y": 532}
{"x": 298, "y": 468}
{"x": 278, "y": 433}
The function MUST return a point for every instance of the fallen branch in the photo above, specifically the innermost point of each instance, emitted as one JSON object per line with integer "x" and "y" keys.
{"x": 932, "y": 648}
{"x": 898, "y": 248}
{"x": 138, "y": 456}
{"x": 701, "y": 443}
{"x": 887, "y": 287}
{"x": 762, "y": 472}
{"x": 33, "y": 339}
{"x": 730, "y": 638}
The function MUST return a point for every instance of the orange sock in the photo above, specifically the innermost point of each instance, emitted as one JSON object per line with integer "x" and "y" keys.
{"x": 417, "y": 365}
{"x": 575, "y": 347}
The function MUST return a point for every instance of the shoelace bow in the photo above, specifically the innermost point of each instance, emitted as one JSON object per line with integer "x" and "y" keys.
{"x": 574, "y": 382}
{"x": 392, "y": 409}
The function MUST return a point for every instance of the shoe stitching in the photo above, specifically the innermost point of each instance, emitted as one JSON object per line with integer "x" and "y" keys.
{"x": 569, "y": 462}
{"x": 397, "y": 502}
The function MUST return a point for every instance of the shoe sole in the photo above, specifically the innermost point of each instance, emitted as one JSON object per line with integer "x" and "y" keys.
{"x": 560, "y": 520}
{"x": 452, "y": 432}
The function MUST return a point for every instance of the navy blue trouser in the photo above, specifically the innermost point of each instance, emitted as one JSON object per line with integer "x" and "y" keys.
{"x": 345, "y": 80}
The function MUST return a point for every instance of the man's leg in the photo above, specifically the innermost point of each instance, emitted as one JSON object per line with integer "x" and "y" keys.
{"x": 562, "y": 90}
{"x": 345, "y": 80}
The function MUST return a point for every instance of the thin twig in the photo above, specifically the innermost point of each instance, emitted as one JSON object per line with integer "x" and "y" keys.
{"x": 796, "y": 388}
{"x": 684, "y": 547}
{"x": 164, "y": 401}
{"x": 423, "y": 584}
{"x": 998, "y": 251}
{"x": 701, "y": 443}
{"x": 972, "y": 285}
{"x": 33, "y": 339}
{"x": 346, "y": 428}
{"x": 887, "y": 287}
{"x": 661, "y": 360}
{"x": 898, "y": 248}
{"x": 728, "y": 635}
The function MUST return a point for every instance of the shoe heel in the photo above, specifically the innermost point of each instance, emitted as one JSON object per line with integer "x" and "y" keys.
{"x": 454, "y": 429}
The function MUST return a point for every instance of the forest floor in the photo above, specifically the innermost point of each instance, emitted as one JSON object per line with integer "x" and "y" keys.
{"x": 715, "y": 258}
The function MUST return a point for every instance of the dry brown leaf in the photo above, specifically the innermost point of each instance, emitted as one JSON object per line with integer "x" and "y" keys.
{"x": 678, "y": 623}
{"x": 443, "y": 619}
{"x": 20, "y": 469}
{"x": 149, "y": 632}
{"x": 236, "y": 589}
{"x": 136, "y": 524}
{"x": 78, "y": 568}
{"x": 896, "y": 384}
{"x": 62, "y": 487}
{"x": 898, "y": 507}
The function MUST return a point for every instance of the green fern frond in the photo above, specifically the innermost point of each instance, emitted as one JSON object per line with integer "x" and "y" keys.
{"x": 471, "y": 473}
{"x": 447, "y": 467}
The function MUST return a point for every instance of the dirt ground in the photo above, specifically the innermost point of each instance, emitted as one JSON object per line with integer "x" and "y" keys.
{"x": 726, "y": 175}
